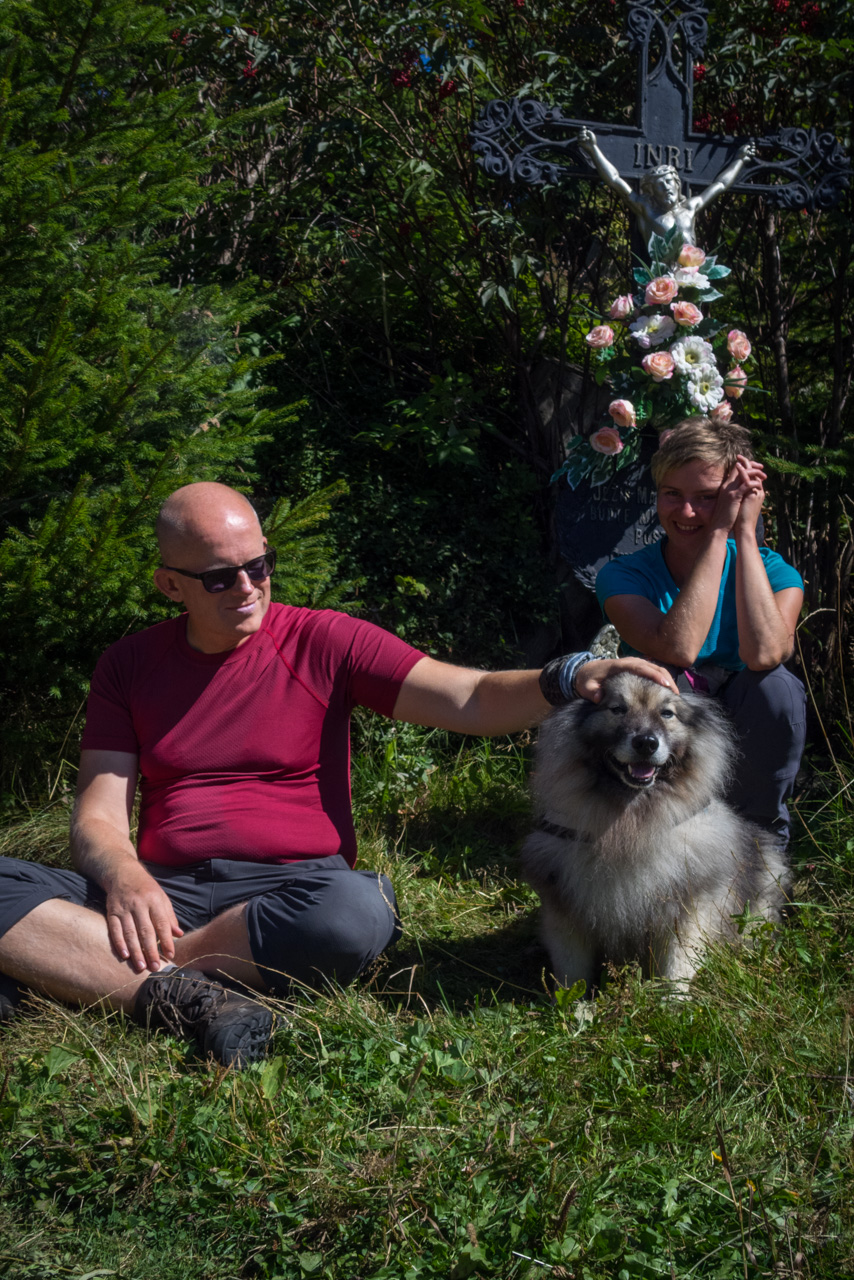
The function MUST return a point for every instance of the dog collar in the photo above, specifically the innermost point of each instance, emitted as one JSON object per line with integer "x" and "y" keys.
{"x": 564, "y": 833}
{"x": 568, "y": 833}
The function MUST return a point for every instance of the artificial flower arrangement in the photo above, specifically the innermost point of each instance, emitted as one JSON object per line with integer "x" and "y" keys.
{"x": 660, "y": 356}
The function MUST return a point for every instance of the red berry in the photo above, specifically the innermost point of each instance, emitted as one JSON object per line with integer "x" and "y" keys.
{"x": 699, "y": 71}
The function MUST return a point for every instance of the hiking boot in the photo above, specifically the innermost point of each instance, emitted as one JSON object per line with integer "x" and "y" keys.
{"x": 227, "y": 1024}
{"x": 11, "y": 998}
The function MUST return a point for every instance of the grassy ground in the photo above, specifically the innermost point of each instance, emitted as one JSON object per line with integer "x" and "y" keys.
{"x": 446, "y": 1118}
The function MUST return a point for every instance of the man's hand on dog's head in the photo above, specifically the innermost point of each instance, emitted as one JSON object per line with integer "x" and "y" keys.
{"x": 592, "y": 676}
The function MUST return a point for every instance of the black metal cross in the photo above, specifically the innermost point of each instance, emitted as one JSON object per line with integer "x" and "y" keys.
{"x": 529, "y": 142}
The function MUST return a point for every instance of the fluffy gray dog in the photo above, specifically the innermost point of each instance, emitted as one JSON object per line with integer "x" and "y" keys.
{"x": 636, "y": 857}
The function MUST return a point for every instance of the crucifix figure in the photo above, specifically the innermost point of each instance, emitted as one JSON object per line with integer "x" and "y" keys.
{"x": 659, "y": 203}
{"x": 666, "y": 172}
{"x": 529, "y": 142}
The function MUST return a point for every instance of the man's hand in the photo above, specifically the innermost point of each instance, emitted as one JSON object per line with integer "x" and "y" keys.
{"x": 592, "y": 676}
{"x": 141, "y": 921}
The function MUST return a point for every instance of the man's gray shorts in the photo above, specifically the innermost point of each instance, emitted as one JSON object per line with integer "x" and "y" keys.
{"x": 307, "y": 921}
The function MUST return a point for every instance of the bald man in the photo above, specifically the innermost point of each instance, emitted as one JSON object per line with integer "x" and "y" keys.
{"x": 233, "y": 717}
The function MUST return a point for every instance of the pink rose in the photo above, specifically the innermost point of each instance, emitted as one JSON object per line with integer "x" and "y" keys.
{"x": 691, "y": 256}
{"x": 721, "y": 413}
{"x": 659, "y": 365}
{"x": 600, "y": 337}
{"x": 623, "y": 413}
{"x": 735, "y": 382}
{"x": 738, "y": 344}
{"x": 606, "y": 440}
{"x": 661, "y": 290}
{"x": 622, "y": 307}
{"x": 686, "y": 313}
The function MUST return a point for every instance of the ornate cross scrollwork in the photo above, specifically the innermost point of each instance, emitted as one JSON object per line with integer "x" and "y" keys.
{"x": 656, "y": 29}
{"x": 531, "y": 143}
{"x": 814, "y": 167}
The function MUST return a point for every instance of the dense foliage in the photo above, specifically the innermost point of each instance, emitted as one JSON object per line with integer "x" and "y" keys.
{"x": 252, "y": 242}
{"x": 428, "y": 314}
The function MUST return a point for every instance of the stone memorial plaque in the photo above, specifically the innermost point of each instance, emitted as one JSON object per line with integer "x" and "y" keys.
{"x": 595, "y": 523}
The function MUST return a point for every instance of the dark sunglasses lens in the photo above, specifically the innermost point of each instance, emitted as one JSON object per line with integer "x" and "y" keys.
{"x": 256, "y": 570}
{"x": 219, "y": 579}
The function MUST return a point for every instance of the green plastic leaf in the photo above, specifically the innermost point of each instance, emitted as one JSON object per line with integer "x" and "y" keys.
{"x": 578, "y": 467}
{"x": 602, "y": 469}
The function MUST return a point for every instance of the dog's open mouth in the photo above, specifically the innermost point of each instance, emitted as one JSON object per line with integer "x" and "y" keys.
{"x": 638, "y": 774}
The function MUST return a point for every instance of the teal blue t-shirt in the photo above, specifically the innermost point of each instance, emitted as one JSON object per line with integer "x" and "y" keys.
{"x": 645, "y": 573}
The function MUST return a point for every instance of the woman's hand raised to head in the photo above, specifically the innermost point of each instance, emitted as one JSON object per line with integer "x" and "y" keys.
{"x": 752, "y": 479}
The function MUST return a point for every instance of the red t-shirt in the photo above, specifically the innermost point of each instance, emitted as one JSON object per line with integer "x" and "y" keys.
{"x": 245, "y": 754}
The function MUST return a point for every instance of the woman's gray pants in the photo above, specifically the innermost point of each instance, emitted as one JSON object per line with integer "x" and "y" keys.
{"x": 768, "y": 709}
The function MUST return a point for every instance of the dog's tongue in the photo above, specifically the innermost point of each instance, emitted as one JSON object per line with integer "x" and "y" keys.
{"x": 642, "y": 771}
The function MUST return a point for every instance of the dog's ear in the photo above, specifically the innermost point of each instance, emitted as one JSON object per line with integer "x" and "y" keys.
{"x": 700, "y": 712}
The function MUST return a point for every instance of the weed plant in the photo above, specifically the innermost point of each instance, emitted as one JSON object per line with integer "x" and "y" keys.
{"x": 447, "y": 1118}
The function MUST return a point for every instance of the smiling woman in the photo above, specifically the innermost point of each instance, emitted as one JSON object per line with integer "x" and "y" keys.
{"x": 686, "y": 502}
{"x": 709, "y": 602}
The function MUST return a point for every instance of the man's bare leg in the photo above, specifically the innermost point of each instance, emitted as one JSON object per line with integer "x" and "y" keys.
{"x": 221, "y": 949}
{"x": 63, "y": 950}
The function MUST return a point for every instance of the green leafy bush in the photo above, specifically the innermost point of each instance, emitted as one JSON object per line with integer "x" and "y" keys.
{"x": 118, "y": 382}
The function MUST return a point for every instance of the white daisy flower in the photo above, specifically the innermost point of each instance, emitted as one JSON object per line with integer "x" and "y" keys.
{"x": 691, "y": 278}
{"x": 651, "y": 331}
{"x": 705, "y": 387}
{"x": 692, "y": 352}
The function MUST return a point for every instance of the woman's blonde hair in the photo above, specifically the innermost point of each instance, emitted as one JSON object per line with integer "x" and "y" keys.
{"x": 698, "y": 439}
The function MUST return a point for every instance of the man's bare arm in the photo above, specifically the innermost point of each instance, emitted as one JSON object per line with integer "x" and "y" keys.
{"x": 140, "y": 918}
{"x": 442, "y": 696}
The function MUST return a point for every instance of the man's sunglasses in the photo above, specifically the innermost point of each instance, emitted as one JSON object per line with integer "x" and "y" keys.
{"x": 214, "y": 580}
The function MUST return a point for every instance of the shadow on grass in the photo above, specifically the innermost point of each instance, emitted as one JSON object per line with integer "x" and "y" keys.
{"x": 452, "y": 833}
{"x": 459, "y": 974}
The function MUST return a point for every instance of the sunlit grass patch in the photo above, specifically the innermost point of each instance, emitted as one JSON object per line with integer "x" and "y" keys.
{"x": 447, "y": 1117}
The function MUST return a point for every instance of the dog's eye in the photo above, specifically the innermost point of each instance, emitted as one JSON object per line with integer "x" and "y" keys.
{"x": 618, "y": 709}
{"x": 667, "y": 714}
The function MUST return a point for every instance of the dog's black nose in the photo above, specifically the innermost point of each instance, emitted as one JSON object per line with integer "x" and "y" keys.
{"x": 645, "y": 744}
